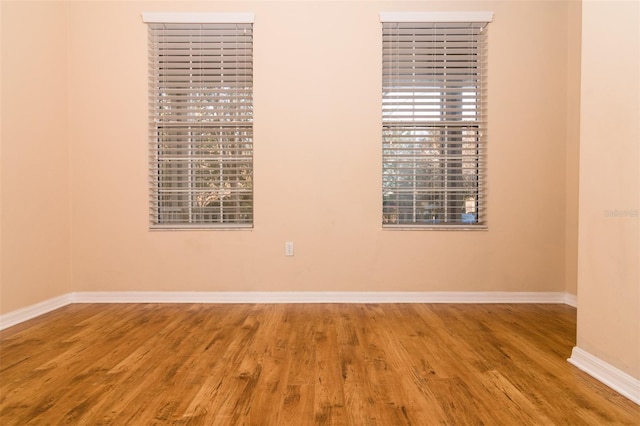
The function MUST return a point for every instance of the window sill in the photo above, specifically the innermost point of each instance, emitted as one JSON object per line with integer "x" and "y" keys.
{"x": 434, "y": 228}
{"x": 200, "y": 227}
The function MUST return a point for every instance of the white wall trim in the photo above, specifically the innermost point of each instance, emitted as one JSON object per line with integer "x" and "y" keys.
{"x": 616, "y": 379}
{"x": 571, "y": 300}
{"x": 318, "y": 297}
{"x": 436, "y": 16}
{"x": 197, "y": 18}
{"x": 29, "y": 312}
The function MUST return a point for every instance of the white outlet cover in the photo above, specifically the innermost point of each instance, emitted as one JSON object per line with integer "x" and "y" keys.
{"x": 288, "y": 248}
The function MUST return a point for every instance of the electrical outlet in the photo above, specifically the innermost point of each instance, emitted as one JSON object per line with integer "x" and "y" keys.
{"x": 288, "y": 248}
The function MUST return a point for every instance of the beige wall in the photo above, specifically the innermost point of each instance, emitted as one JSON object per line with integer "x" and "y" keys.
{"x": 317, "y": 158}
{"x": 574, "y": 30}
{"x": 608, "y": 272}
{"x": 35, "y": 252}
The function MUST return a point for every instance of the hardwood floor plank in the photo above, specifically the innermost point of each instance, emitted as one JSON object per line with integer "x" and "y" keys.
{"x": 356, "y": 385}
{"x": 312, "y": 364}
{"x": 329, "y": 403}
{"x": 272, "y": 352}
{"x": 302, "y": 340}
{"x": 297, "y": 404}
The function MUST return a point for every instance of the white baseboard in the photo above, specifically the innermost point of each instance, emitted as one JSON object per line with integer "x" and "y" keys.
{"x": 318, "y": 297}
{"x": 24, "y": 314}
{"x": 21, "y": 315}
{"x": 616, "y": 379}
{"x": 571, "y": 300}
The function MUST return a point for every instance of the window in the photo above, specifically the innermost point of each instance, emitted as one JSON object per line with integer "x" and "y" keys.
{"x": 434, "y": 119}
{"x": 201, "y": 120}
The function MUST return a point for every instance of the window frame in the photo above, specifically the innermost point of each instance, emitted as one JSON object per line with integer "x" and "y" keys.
{"x": 192, "y": 153}
{"x": 408, "y": 129}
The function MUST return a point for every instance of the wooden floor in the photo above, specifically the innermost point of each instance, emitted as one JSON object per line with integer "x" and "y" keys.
{"x": 386, "y": 364}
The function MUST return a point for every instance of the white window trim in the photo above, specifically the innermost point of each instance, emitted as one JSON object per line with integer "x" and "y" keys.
{"x": 197, "y": 18}
{"x": 436, "y": 16}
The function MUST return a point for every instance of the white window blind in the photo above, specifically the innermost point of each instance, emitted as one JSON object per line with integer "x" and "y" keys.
{"x": 201, "y": 123}
{"x": 434, "y": 122}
